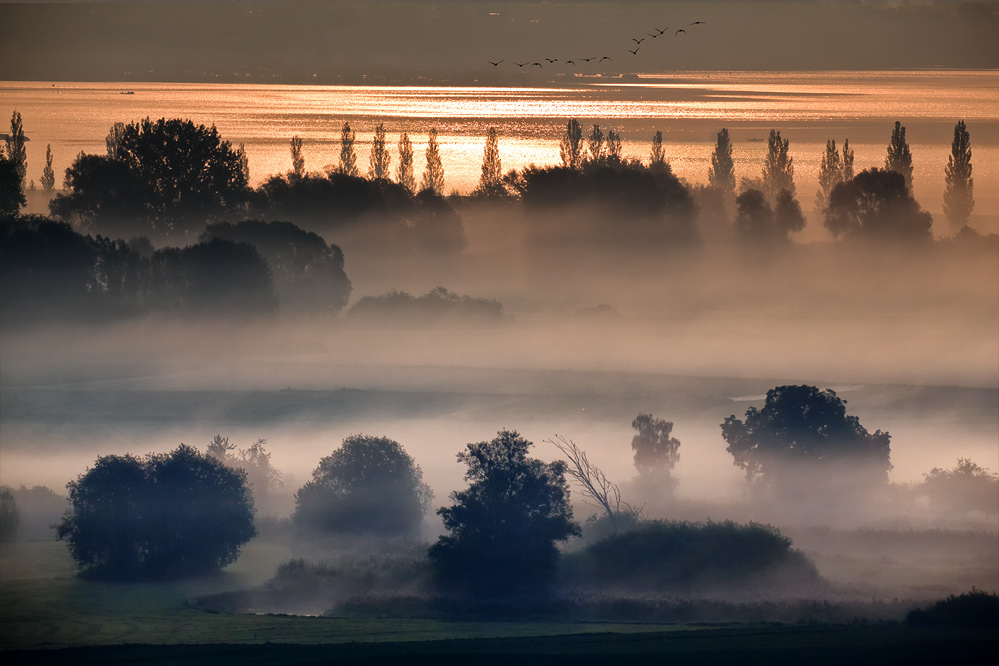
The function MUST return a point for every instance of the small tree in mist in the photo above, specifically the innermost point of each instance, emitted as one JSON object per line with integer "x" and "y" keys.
{"x": 297, "y": 159}
{"x": 261, "y": 475}
{"x": 433, "y": 174}
{"x": 657, "y": 156}
{"x": 380, "y": 161}
{"x": 164, "y": 516}
{"x": 370, "y": 485}
{"x": 966, "y": 487}
{"x": 348, "y": 158}
{"x": 788, "y": 217}
{"x": 598, "y": 491}
{"x": 48, "y": 175}
{"x": 10, "y": 515}
{"x": 613, "y": 146}
{"x": 503, "y": 529}
{"x": 899, "y": 159}
{"x": 491, "y": 180}
{"x": 802, "y": 428}
{"x": 721, "y": 174}
{"x": 778, "y": 168}
{"x": 404, "y": 173}
{"x": 571, "y": 146}
{"x": 876, "y": 205}
{"x": 595, "y": 144}
{"x": 959, "y": 197}
{"x": 656, "y": 451}
{"x": 756, "y": 221}
{"x": 16, "y": 152}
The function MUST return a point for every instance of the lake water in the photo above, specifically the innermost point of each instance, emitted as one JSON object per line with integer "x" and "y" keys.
{"x": 689, "y": 108}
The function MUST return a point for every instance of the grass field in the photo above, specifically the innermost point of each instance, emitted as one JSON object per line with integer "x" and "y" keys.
{"x": 49, "y": 616}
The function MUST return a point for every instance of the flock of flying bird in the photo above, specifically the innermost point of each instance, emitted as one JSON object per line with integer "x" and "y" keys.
{"x": 638, "y": 45}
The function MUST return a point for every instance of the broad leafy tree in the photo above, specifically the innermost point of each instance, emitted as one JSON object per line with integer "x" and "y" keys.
{"x": 899, "y": 159}
{"x": 802, "y": 427}
{"x": 656, "y": 450}
{"x": 163, "y": 516}
{"x": 308, "y": 272}
{"x": 370, "y": 485}
{"x": 721, "y": 174}
{"x": 959, "y": 197}
{"x": 966, "y": 487}
{"x": 503, "y": 529}
{"x": 876, "y": 205}
{"x": 433, "y": 174}
{"x": 379, "y": 160}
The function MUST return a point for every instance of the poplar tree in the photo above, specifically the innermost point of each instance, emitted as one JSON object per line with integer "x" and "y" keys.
{"x": 348, "y": 160}
{"x": 297, "y": 159}
{"x": 778, "y": 169}
{"x": 959, "y": 199}
{"x": 433, "y": 175}
{"x": 847, "y": 161}
{"x": 48, "y": 175}
{"x": 380, "y": 160}
{"x": 830, "y": 174}
{"x": 722, "y": 171}
{"x": 490, "y": 183}
{"x": 657, "y": 157}
{"x": 595, "y": 143}
{"x": 899, "y": 158}
{"x": 571, "y": 146}
{"x": 16, "y": 151}
{"x": 613, "y": 146}
{"x": 404, "y": 174}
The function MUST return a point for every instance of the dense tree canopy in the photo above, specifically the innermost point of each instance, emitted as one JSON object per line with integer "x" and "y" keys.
{"x": 876, "y": 205}
{"x": 11, "y": 188}
{"x": 801, "y": 426}
{"x": 165, "y": 515}
{"x": 168, "y": 176}
{"x": 503, "y": 529}
{"x": 656, "y": 450}
{"x": 370, "y": 485}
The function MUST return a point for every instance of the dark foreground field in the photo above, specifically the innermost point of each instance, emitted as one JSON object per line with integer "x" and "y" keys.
{"x": 725, "y": 645}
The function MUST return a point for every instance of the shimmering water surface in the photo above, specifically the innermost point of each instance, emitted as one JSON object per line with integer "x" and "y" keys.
{"x": 689, "y": 108}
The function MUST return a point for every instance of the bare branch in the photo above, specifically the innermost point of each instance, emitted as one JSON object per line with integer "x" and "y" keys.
{"x": 597, "y": 490}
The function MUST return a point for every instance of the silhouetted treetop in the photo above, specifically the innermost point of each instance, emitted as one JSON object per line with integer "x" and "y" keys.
{"x": 876, "y": 205}
{"x": 959, "y": 196}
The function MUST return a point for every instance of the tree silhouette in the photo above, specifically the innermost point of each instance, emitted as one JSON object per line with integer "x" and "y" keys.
{"x": 803, "y": 425}
{"x": 571, "y": 146}
{"x": 113, "y": 142}
{"x": 10, "y": 515}
{"x": 722, "y": 171}
{"x": 164, "y": 516}
{"x": 491, "y": 180}
{"x": 966, "y": 487}
{"x": 48, "y": 175}
{"x": 613, "y": 146}
{"x": 503, "y": 529}
{"x": 899, "y": 158}
{"x": 379, "y": 161}
{"x": 16, "y": 152}
{"x": 11, "y": 188}
{"x": 595, "y": 144}
{"x": 369, "y": 485}
{"x": 787, "y": 215}
{"x": 830, "y": 174}
{"x": 876, "y": 204}
{"x": 297, "y": 159}
{"x": 404, "y": 174}
{"x": 656, "y": 451}
{"x": 598, "y": 491}
{"x": 847, "y": 162}
{"x": 657, "y": 156}
{"x": 778, "y": 168}
{"x": 433, "y": 175}
{"x": 959, "y": 197}
{"x": 756, "y": 221}
{"x": 348, "y": 160}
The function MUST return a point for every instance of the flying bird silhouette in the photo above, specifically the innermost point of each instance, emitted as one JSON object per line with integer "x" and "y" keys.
{"x": 605, "y": 58}
{"x": 537, "y": 64}
{"x": 698, "y": 22}
{"x": 588, "y": 59}
{"x": 638, "y": 41}
{"x": 494, "y": 64}
{"x": 570, "y": 62}
{"x": 551, "y": 60}
{"x": 679, "y": 31}
{"x": 651, "y": 35}
{"x": 635, "y": 52}
{"x": 663, "y": 31}
{"x": 520, "y": 64}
